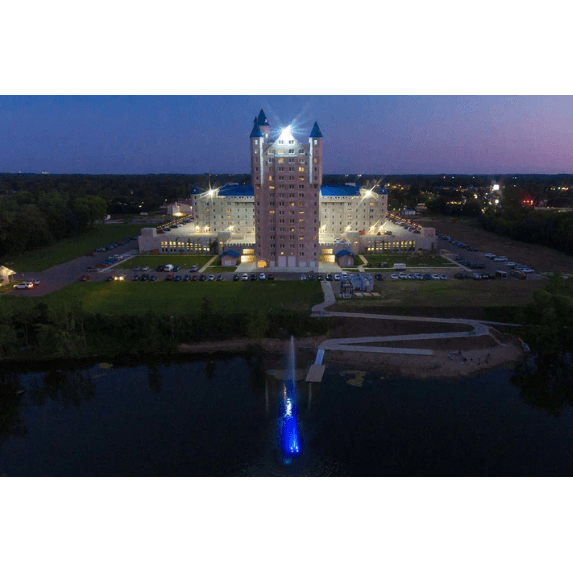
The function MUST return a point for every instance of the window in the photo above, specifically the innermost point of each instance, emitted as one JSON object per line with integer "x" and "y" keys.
{"x": 291, "y": 150}
{"x": 281, "y": 151}
{"x": 281, "y": 141}
{"x": 281, "y": 160}
{"x": 301, "y": 168}
{"x": 291, "y": 142}
{"x": 316, "y": 141}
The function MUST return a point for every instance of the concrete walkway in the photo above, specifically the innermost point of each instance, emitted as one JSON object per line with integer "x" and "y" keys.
{"x": 357, "y": 344}
{"x": 212, "y": 260}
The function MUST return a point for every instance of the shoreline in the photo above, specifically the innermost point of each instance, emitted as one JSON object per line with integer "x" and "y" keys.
{"x": 442, "y": 364}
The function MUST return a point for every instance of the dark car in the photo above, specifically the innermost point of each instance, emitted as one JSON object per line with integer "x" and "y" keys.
{"x": 109, "y": 279}
{"x": 160, "y": 268}
{"x": 175, "y": 269}
{"x": 202, "y": 277}
{"x": 253, "y": 276}
{"x": 271, "y": 277}
{"x": 186, "y": 278}
{"x": 153, "y": 278}
{"x": 194, "y": 278}
{"x": 144, "y": 278}
{"x": 378, "y": 277}
{"x": 319, "y": 278}
{"x": 329, "y": 277}
{"x": 178, "y": 278}
{"x": 235, "y": 277}
{"x": 427, "y": 277}
{"x": 219, "y": 277}
{"x": 169, "y": 277}
{"x": 134, "y": 278}
{"x": 311, "y": 277}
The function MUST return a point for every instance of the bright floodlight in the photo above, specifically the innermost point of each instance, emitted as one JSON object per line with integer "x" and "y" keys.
{"x": 496, "y": 187}
{"x": 286, "y": 133}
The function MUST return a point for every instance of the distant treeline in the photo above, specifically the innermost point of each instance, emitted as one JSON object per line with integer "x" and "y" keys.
{"x": 551, "y": 229}
{"x": 42, "y": 332}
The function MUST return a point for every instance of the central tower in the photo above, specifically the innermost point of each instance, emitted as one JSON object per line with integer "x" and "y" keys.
{"x": 286, "y": 176}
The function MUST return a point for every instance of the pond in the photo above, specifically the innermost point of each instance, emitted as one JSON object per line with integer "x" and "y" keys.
{"x": 218, "y": 416}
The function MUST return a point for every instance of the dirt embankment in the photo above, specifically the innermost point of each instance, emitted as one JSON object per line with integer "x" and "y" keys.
{"x": 443, "y": 364}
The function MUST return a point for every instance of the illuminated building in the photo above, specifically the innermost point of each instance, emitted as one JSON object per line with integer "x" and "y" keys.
{"x": 286, "y": 175}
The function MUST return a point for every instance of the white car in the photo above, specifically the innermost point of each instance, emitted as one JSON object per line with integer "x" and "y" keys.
{"x": 402, "y": 276}
{"x": 27, "y": 284}
{"x": 211, "y": 278}
{"x": 245, "y": 277}
{"x": 500, "y": 259}
{"x": 145, "y": 268}
{"x": 262, "y": 277}
{"x": 444, "y": 277}
{"x": 336, "y": 277}
{"x": 436, "y": 277}
{"x": 394, "y": 276}
{"x": 528, "y": 270}
{"x": 511, "y": 264}
{"x": 489, "y": 255}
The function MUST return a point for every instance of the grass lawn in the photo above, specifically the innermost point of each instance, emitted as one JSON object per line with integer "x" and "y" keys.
{"x": 183, "y": 297}
{"x": 68, "y": 249}
{"x": 153, "y": 261}
{"x": 451, "y": 293}
{"x": 410, "y": 260}
{"x": 213, "y": 270}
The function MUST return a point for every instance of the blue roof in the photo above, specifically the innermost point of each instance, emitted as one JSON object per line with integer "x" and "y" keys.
{"x": 231, "y": 254}
{"x": 382, "y": 190}
{"x": 315, "y": 131}
{"x": 339, "y": 191}
{"x": 236, "y": 191}
{"x": 342, "y": 253}
{"x": 256, "y": 130}
{"x": 262, "y": 119}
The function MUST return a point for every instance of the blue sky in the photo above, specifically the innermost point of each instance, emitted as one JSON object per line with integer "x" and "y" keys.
{"x": 370, "y": 134}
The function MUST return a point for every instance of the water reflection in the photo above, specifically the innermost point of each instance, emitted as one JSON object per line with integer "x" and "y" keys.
{"x": 154, "y": 379}
{"x": 70, "y": 388}
{"x": 546, "y": 382}
{"x": 289, "y": 438}
{"x": 11, "y": 401}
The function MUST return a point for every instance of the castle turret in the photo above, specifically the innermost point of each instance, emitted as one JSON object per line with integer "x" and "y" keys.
{"x": 315, "y": 141}
{"x": 264, "y": 126}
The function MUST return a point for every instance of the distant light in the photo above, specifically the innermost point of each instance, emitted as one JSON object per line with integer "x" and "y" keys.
{"x": 496, "y": 187}
{"x": 286, "y": 133}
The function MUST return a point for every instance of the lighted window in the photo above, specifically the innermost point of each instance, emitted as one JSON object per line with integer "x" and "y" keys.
{"x": 281, "y": 151}
{"x": 301, "y": 168}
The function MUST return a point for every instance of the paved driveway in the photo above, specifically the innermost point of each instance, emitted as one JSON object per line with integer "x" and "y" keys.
{"x": 62, "y": 275}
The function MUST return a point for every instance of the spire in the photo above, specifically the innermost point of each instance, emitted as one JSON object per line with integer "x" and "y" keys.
{"x": 256, "y": 131}
{"x": 263, "y": 118}
{"x": 315, "y": 131}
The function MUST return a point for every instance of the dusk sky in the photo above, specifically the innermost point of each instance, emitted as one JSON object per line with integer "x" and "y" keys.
{"x": 362, "y": 134}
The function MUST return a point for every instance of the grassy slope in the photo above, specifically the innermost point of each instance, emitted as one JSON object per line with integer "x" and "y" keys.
{"x": 169, "y": 297}
{"x": 183, "y": 261}
{"x": 71, "y": 248}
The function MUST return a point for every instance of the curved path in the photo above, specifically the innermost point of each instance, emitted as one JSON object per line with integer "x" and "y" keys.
{"x": 356, "y": 344}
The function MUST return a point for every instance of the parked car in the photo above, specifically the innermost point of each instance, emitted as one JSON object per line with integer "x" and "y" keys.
{"x": 271, "y": 278}
{"x": 435, "y": 277}
{"x": 178, "y": 278}
{"x": 109, "y": 279}
{"x": 253, "y": 276}
{"x": 153, "y": 278}
{"x": 186, "y": 278}
{"x": 378, "y": 277}
{"x": 262, "y": 277}
{"x": 444, "y": 277}
{"x": 235, "y": 277}
{"x": 337, "y": 277}
{"x": 169, "y": 277}
{"x": 194, "y": 278}
{"x": 82, "y": 278}
{"x": 220, "y": 277}
{"x": 245, "y": 277}
{"x": 134, "y": 278}
{"x": 202, "y": 277}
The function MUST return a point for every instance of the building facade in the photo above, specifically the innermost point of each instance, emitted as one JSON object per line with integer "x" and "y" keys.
{"x": 286, "y": 175}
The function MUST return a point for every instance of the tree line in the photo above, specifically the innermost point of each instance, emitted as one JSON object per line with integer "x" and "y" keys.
{"x": 39, "y": 331}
